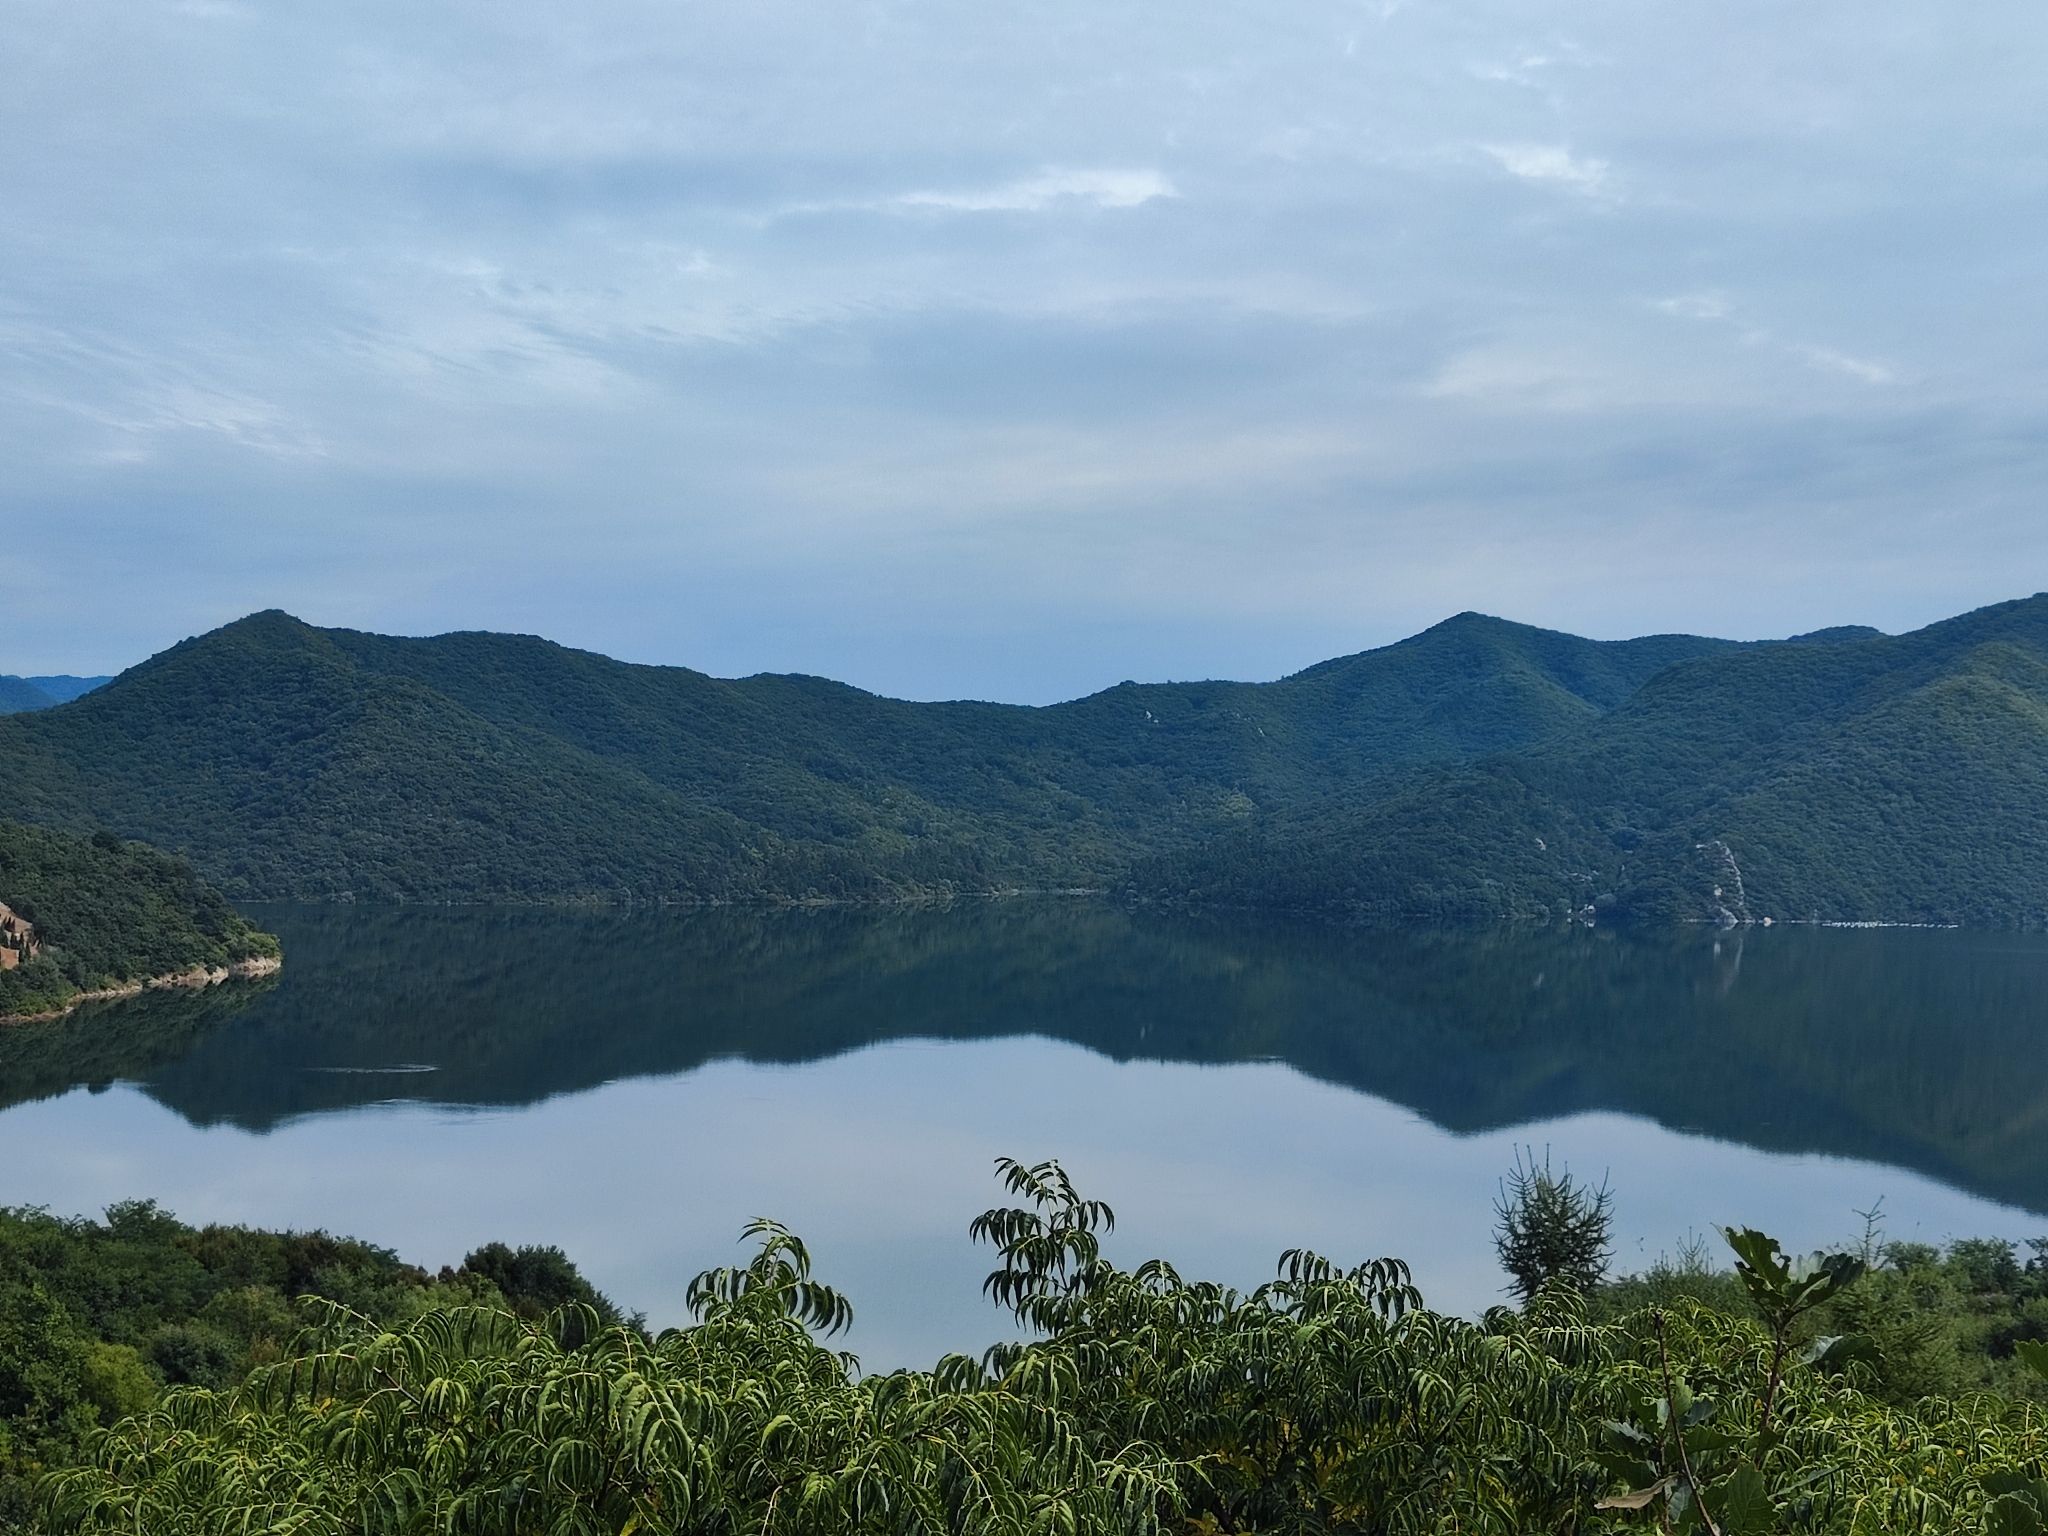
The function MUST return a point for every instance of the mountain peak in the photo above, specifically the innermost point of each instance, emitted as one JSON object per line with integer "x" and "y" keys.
{"x": 264, "y": 619}
{"x": 1836, "y": 634}
{"x": 1471, "y": 619}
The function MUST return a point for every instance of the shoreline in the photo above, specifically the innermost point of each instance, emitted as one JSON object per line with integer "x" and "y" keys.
{"x": 994, "y": 894}
{"x": 193, "y": 978}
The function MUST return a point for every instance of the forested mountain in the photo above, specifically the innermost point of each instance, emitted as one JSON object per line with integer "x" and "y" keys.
{"x": 1479, "y": 768}
{"x": 1867, "y": 778}
{"x": 82, "y": 914}
{"x": 18, "y": 694}
{"x": 64, "y": 688}
{"x": 293, "y": 761}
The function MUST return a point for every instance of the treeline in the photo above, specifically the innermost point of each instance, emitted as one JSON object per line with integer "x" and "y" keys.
{"x": 155, "y": 1380}
{"x": 107, "y": 912}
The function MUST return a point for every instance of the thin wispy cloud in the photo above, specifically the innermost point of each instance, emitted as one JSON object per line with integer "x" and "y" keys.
{"x": 1867, "y": 370}
{"x": 1533, "y": 68}
{"x": 1034, "y": 194}
{"x": 1040, "y": 193}
{"x": 1720, "y": 309}
{"x": 1697, "y": 306}
{"x": 1515, "y": 380}
{"x": 1553, "y": 165}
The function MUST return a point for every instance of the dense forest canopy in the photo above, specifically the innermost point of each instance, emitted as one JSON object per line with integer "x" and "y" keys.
{"x": 86, "y": 913}
{"x": 1895, "y": 778}
{"x": 1480, "y": 768}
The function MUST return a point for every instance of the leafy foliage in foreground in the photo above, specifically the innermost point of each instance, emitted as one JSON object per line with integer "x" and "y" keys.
{"x": 99, "y": 1318}
{"x": 1944, "y": 1322}
{"x": 109, "y": 912}
{"x": 1327, "y": 1401}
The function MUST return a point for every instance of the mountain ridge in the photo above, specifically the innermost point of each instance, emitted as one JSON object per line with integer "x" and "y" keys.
{"x": 18, "y": 695}
{"x": 1480, "y": 767}
{"x": 1887, "y": 778}
{"x": 21, "y": 694}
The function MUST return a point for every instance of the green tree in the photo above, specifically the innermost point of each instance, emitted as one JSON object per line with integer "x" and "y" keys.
{"x": 1550, "y": 1229}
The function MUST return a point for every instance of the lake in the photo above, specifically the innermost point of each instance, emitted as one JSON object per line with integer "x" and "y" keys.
{"x": 634, "y": 1086}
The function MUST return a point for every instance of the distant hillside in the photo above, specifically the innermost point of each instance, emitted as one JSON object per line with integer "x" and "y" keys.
{"x": 18, "y": 694}
{"x": 292, "y": 761}
{"x": 1863, "y": 778}
{"x": 86, "y": 914}
{"x": 64, "y": 688}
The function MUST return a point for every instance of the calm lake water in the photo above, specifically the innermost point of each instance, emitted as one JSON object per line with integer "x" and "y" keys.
{"x": 634, "y": 1087}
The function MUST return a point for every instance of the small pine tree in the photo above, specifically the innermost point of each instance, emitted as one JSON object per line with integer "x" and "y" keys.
{"x": 1549, "y": 1228}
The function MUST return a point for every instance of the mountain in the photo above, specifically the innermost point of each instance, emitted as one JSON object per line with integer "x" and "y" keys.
{"x": 63, "y": 688}
{"x": 1481, "y": 768}
{"x": 292, "y": 761}
{"x": 80, "y": 915}
{"x": 1865, "y": 777}
{"x": 20, "y": 694}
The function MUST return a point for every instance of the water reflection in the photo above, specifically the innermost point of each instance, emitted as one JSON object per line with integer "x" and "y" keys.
{"x": 1914, "y": 1049}
{"x": 635, "y": 1087}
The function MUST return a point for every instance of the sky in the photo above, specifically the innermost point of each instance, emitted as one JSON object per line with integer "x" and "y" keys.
{"x": 1010, "y": 351}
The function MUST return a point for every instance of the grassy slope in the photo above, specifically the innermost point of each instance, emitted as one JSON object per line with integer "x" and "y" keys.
{"x": 107, "y": 913}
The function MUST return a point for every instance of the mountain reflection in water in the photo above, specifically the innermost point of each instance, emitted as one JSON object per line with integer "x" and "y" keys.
{"x": 1923, "y": 1050}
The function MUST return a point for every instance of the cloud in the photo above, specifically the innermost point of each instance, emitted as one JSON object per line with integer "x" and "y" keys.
{"x": 1500, "y": 377}
{"x": 1555, "y": 166}
{"x": 1526, "y": 70}
{"x": 1048, "y": 190}
{"x": 1102, "y": 188}
{"x": 1716, "y": 308}
{"x": 1830, "y": 360}
{"x": 1696, "y": 306}
{"x": 1531, "y": 67}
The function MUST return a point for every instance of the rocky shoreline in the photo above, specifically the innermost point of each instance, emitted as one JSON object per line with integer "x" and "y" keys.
{"x": 193, "y": 978}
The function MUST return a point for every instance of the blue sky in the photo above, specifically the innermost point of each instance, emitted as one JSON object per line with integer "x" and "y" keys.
{"x": 1009, "y": 351}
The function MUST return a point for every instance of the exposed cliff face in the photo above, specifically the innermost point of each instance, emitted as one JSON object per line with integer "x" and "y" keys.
{"x": 96, "y": 917}
{"x": 18, "y": 942}
{"x": 1731, "y": 902}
